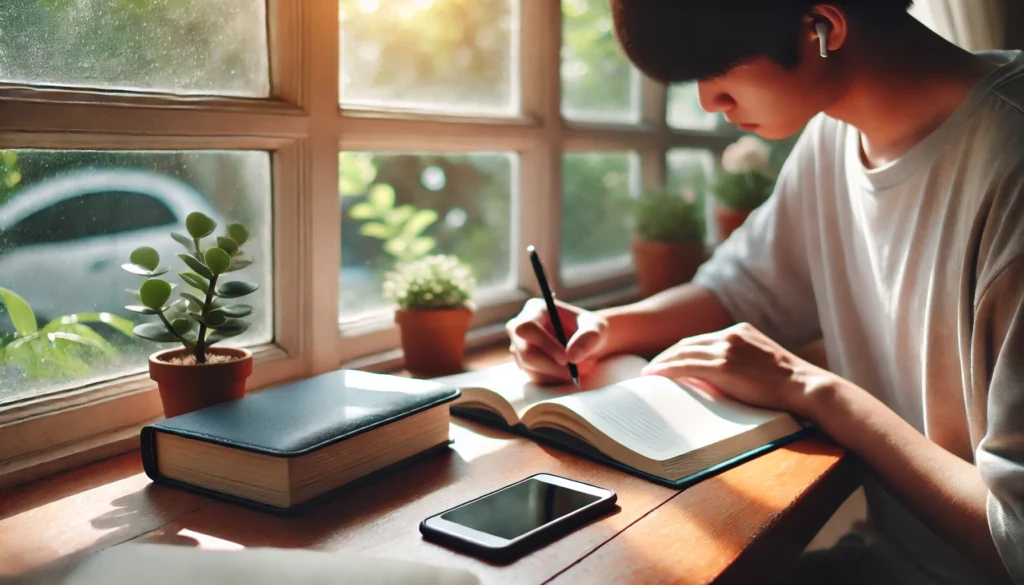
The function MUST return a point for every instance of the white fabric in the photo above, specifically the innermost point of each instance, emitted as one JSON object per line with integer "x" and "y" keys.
{"x": 913, "y": 274}
{"x": 975, "y": 25}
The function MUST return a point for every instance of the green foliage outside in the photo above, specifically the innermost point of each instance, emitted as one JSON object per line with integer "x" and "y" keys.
{"x": 663, "y": 217}
{"x": 195, "y": 321}
{"x": 597, "y": 195}
{"x": 10, "y": 176}
{"x": 432, "y": 282}
{"x": 63, "y": 348}
{"x": 598, "y": 81}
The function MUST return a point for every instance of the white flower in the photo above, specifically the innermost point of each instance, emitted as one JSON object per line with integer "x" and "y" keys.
{"x": 746, "y": 155}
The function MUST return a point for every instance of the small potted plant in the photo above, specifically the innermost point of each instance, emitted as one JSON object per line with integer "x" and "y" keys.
{"x": 196, "y": 374}
{"x": 668, "y": 239}
{"x": 433, "y": 312}
{"x": 744, "y": 185}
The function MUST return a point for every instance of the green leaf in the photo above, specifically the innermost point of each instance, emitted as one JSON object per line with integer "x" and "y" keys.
{"x": 399, "y": 215}
{"x": 154, "y": 332}
{"x": 362, "y": 210}
{"x": 419, "y": 222}
{"x": 9, "y": 157}
{"x": 236, "y": 288}
{"x": 181, "y": 325}
{"x": 375, "y": 230}
{"x": 195, "y": 280}
{"x": 235, "y": 311}
{"x": 184, "y": 240}
{"x": 228, "y": 245}
{"x": 199, "y": 225}
{"x": 238, "y": 233}
{"x": 155, "y": 293}
{"x": 140, "y": 309}
{"x": 239, "y": 262}
{"x": 214, "y": 319}
{"x": 143, "y": 271}
{"x": 135, "y": 294}
{"x": 196, "y": 302}
{"x": 356, "y": 172}
{"x": 421, "y": 246}
{"x": 397, "y": 247}
{"x": 115, "y": 321}
{"x": 22, "y": 315}
{"x": 76, "y": 339}
{"x": 195, "y": 264}
{"x": 145, "y": 257}
{"x": 223, "y": 333}
{"x": 218, "y": 260}
{"x": 382, "y": 198}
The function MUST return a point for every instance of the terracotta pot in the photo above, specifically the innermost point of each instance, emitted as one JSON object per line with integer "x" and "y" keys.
{"x": 728, "y": 220}
{"x": 662, "y": 265}
{"x": 434, "y": 341}
{"x": 184, "y": 388}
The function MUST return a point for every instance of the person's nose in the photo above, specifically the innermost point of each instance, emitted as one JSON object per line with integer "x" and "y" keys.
{"x": 713, "y": 99}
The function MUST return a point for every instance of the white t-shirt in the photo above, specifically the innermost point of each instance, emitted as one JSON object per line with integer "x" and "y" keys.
{"x": 913, "y": 275}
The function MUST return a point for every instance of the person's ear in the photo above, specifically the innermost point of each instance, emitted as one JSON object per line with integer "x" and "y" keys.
{"x": 827, "y": 27}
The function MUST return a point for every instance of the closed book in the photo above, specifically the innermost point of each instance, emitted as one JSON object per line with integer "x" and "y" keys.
{"x": 284, "y": 447}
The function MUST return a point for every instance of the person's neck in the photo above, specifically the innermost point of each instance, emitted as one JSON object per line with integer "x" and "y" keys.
{"x": 902, "y": 87}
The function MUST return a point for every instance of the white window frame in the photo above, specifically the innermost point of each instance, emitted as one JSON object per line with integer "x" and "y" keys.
{"x": 304, "y": 128}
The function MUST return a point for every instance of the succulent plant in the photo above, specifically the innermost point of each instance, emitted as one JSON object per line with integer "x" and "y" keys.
{"x": 433, "y": 282}
{"x": 663, "y": 217}
{"x": 198, "y": 319}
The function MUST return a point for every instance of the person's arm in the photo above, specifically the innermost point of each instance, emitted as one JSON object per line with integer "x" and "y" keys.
{"x": 977, "y": 507}
{"x": 652, "y": 324}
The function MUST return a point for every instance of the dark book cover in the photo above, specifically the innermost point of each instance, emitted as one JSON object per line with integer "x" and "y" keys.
{"x": 298, "y": 418}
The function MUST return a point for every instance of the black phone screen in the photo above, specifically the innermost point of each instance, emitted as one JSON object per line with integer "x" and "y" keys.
{"x": 520, "y": 508}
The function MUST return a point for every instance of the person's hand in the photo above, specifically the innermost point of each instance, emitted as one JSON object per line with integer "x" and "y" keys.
{"x": 745, "y": 364}
{"x": 536, "y": 347}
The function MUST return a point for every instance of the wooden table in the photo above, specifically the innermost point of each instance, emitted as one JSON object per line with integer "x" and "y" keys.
{"x": 739, "y": 526}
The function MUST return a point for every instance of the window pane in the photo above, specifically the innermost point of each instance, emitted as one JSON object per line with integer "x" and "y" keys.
{"x": 414, "y": 204}
{"x": 684, "y": 109}
{"x": 598, "y": 83}
{"x": 175, "y": 46}
{"x": 449, "y": 56}
{"x": 690, "y": 169}
{"x": 69, "y": 219}
{"x": 596, "y": 188}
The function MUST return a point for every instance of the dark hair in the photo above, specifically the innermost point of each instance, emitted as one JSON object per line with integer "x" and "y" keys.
{"x": 673, "y": 41}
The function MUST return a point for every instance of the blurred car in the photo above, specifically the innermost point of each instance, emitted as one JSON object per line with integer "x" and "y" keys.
{"x": 63, "y": 240}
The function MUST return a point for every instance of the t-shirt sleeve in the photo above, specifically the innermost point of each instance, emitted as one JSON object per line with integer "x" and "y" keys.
{"x": 760, "y": 274}
{"x": 998, "y": 363}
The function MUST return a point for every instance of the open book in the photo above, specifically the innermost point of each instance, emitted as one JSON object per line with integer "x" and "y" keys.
{"x": 652, "y": 426}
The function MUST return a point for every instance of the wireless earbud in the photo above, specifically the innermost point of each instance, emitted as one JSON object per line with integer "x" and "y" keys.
{"x": 822, "y": 28}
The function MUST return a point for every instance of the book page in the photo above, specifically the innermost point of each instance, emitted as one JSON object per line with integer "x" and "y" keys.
{"x": 512, "y": 383}
{"x": 660, "y": 418}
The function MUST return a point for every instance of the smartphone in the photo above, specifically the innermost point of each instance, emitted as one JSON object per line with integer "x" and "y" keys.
{"x": 509, "y": 522}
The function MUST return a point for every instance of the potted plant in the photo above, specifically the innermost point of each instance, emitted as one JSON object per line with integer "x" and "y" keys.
{"x": 668, "y": 239}
{"x": 432, "y": 295}
{"x": 744, "y": 185}
{"x": 196, "y": 374}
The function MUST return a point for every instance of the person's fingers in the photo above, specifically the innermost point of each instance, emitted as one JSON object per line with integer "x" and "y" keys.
{"x": 583, "y": 344}
{"x": 532, "y": 333}
{"x": 533, "y": 359}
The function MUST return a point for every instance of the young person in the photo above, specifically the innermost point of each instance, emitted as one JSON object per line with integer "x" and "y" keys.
{"x": 895, "y": 234}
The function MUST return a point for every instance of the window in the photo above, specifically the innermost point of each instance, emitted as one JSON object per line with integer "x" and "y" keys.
{"x": 404, "y": 206}
{"x": 349, "y": 135}
{"x": 83, "y": 212}
{"x": 430, "y": 55}
{"x": 176, "y": 46}
{"x": 598, "y": 83}
{"x": 596, "y": 191}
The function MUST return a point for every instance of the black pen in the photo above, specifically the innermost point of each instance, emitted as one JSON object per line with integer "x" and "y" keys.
{"x": 549, "y": 299}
